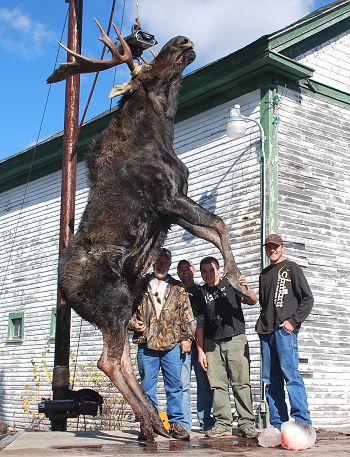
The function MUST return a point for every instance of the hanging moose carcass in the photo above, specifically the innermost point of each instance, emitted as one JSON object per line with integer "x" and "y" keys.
{"x": 138, "y": 188}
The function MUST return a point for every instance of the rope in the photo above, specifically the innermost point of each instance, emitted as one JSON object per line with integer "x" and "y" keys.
{"x": 115, "y": 68}
{"x": 97, "y": 73}
{"x": 32, "y": 162}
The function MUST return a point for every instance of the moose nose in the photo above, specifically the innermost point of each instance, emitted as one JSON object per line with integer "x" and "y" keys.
{"x": 186, "y": 43}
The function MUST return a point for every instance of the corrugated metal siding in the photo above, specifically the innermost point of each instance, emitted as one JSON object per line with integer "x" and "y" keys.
{"x": 314, "y": 219}
{"x": 331, "y": 62}
{"x": 224, "y": 177}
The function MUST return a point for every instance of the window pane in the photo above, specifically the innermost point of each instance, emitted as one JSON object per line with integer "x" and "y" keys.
{"x": 17, "y": 328}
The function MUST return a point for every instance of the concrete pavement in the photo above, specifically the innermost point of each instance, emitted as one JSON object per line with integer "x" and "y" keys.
{"x": 334, "y": 443}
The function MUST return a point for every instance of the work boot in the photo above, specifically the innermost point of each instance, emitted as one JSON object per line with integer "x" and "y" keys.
{"x": 178, "y": 432}
{"x": 219, "y": 430}
{"x": 247, "y": 431}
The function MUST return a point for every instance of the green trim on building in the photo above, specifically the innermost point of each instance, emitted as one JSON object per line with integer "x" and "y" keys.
{"x": 318, "y": 39}
{"x": 53, "y": 322}
{"x": 269, "y": 121}
{"x": 46, "y": 157}
{"x": 218, "y": 81}
{"x": 304, "y": 31}
{"x": 15, "y": 330}
{"x": 323, "y": 92}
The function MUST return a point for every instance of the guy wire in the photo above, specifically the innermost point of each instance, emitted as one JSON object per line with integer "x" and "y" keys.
{"x": 31, "y": 163}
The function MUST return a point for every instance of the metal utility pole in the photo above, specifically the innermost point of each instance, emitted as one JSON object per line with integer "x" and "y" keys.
{"x": 60, "y": 381}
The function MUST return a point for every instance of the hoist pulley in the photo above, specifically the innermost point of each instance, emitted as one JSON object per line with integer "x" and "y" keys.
{"x": 138, "y": 41}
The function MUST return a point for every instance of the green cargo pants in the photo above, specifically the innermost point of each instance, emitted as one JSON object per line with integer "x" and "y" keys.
{"x": 228, "y": 361}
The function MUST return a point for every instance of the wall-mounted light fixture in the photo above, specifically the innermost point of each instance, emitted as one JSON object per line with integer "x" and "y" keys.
{"x": 236, "y": 127}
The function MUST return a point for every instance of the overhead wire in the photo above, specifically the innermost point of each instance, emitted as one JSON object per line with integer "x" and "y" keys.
{"x": 97, "y": 73}
{"x": 32, "y": 162}
{"x": 115, "y": 68}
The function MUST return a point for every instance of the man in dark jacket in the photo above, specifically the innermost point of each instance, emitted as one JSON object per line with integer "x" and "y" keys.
{"x": 286, "y": 301}
{"x": 186, "y": 272}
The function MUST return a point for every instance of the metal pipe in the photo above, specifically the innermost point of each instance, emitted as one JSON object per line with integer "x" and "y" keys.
{"x": 60, "y": 381}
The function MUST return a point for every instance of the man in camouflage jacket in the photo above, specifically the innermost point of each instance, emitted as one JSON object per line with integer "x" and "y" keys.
{"x": 164, "y": 328}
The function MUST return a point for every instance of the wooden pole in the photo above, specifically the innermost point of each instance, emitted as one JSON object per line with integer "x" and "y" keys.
{"x": 60, "y": 381}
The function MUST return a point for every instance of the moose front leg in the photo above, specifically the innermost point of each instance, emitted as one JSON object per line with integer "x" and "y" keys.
{"x": 206, "y": 225}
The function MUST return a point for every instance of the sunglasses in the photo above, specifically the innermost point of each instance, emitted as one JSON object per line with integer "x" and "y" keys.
{"x": 158, "y": 298}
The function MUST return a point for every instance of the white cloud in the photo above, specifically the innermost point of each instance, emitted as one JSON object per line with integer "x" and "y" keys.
{"x": 219, "y": 27}
{"x": 22, "y": 35}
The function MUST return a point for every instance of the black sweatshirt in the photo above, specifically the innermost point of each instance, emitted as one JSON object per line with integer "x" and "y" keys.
{"x": 284, "y": 294}
{"x": 221, "y": 307}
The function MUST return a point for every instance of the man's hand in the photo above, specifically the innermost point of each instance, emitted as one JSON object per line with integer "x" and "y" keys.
{"x": 288, "y": 327}
{"x": 252, "y": 298}
{"x": 185, "y": 346}
{"x": 137, "y": 326}
{"x": 202, "y": 360}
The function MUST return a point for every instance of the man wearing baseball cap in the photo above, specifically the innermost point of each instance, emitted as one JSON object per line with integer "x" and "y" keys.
{"x": 186, "y": 272}
{"x": 286, "y": 301}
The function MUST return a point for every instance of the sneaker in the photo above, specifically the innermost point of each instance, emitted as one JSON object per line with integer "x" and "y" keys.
{"x": 178, "y": 432}
{"x": 247, "y": 431}
{"x": 219, "y": 430}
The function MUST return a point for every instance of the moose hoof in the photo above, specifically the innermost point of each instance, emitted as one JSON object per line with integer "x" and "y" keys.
{"x": 161, "y": 431}
{"x": 239, "y": 289}
{"x": 149, "y": 438}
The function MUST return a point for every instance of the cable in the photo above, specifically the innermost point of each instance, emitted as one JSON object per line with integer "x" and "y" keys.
{"x": 115, "y": 68}
{"x": 97, "y": 73}
{"x": 76, "y": 358}
{"x": 32, "y": 161}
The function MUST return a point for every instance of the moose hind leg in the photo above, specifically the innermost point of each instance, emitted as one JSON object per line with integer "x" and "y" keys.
{"x": 130, "y": 379}
{"x": 206, "y": 225}
{"x": 113, "y": 363}
{"x": 110, "y": 365}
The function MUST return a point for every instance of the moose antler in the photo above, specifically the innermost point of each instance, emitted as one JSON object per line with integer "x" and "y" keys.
{"x": 85, "y": 65}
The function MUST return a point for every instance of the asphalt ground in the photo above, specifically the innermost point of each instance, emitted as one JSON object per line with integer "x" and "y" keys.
{"x": 330, "y": 443}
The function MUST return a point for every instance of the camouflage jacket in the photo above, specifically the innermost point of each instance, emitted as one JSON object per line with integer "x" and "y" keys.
{"x": 175, "y": 322}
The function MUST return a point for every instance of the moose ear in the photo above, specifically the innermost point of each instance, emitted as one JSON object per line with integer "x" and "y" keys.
{"x": 124, "y": 88}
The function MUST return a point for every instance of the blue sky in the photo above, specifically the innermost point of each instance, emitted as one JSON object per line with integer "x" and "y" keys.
{"x": 29, "y": 31}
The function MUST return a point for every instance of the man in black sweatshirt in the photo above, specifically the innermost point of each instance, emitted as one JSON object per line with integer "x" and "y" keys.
{"x": 286, "y": 301}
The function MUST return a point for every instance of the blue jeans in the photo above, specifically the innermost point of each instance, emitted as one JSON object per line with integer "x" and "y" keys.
{"x": 204, "y": 393}
{"x": 186, "y": 360}
{"x": 149, "y": 362}
{"x": 281, "y": 364}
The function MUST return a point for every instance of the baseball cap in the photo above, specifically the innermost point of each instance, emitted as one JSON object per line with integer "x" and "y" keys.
{"x": 166, "y": 253}
{"x": 273, "y": 238}
{"x": 185, "y": 261}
